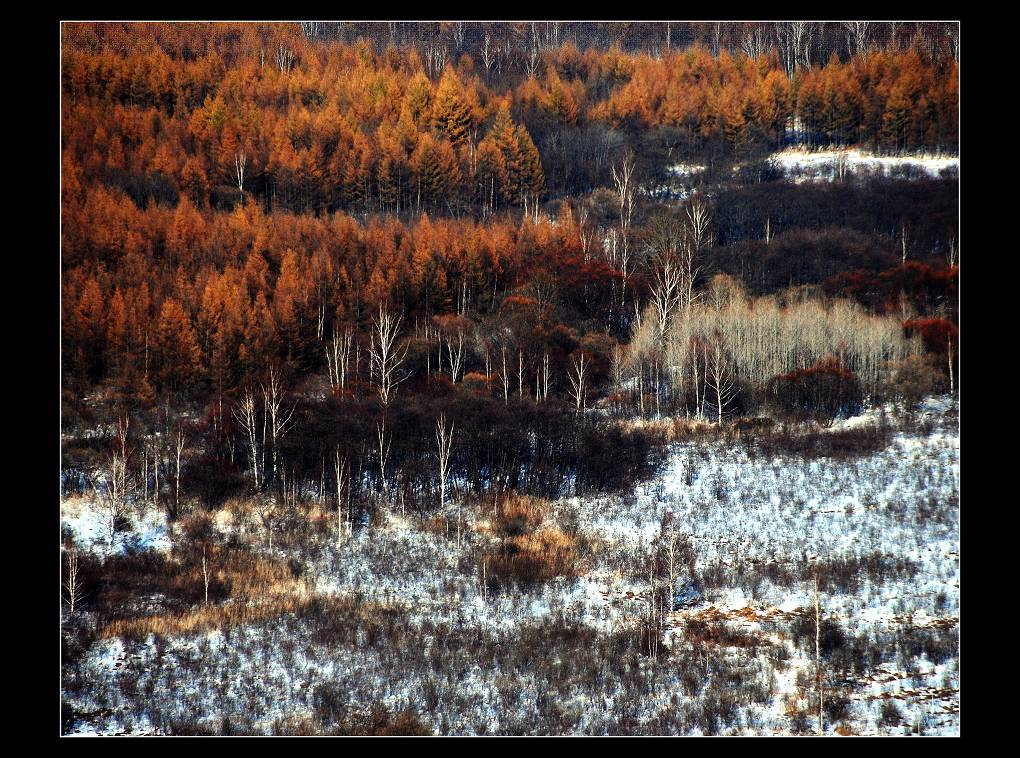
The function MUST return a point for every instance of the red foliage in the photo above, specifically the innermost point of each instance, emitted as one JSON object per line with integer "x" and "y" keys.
{"x": 937, "y": 333}
{"x": 827, "y": 389}
{"x": 925, "y": 287}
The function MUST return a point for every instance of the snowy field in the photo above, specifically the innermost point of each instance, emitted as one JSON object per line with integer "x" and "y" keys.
{"x": 825, "y": 165}
{"x": 425, "y": 635}
{"x": 803, "y": 165}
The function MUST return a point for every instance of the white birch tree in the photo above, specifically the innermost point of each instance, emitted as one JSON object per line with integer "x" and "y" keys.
{"x": 386, "y": 355}
{"x": 444, "y": 443}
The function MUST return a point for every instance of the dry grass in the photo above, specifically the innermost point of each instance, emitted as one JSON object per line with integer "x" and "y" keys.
{"x": 532, "y": 558}
{"x": 251, "y": 588}
{"x": 672, "y": 429}
{"x": 205, "y": 618}
{"x": 530, "y": 550}
{"x": 519, "y": 514}
{"x": 334, "y": 617}
{"x": 438, "y": 525}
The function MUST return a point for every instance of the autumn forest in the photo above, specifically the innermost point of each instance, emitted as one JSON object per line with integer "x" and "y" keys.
{"x": 331, "y": 277}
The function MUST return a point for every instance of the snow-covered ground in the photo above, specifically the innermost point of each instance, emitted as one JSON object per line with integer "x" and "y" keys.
{"x": 825, "y": 165}
{"x": 89, "y": 526}
{"x": 801, "y": 165}
{"x": 463, "y": 672}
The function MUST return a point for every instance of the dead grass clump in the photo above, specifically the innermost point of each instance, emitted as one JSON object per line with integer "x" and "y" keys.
{"x": 242, "y": 587}
{"x": 519, "y": 514}
{"x": 683, "y": 429}
{"x": 197, "y": 527}
{"x": 203, "y": 619}
{"x": 322, "y": 517}
{"x": 723, "y": 635}
{"x": 530, "y": 551}
{"x": 438, "y": 525}
{"x": 529, "y": 559}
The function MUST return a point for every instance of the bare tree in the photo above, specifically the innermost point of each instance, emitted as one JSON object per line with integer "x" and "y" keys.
{"x": 456, "y": 356}
{"x": 178, "y": 450}
{"x": 793, "y": 43}
{"x": 74, "y": 590}
{"x": 385, "y": 355}
{"x": 623, "y": 177}
{"x": 577, "y": 376}
{"x": 444, "y": 443}
{"x": 719, "y": 375}
{"x": 265, "y": 507}
{"x": 754, "y": 43}
{"x": 856, "y": 36}
{"x": 111, "y": 497}
{"x": 246, "y": 416}
{"x": 342, "y": 469}
{"x": 949, "y": 356}
{"x": 695, "y": 237}
{"x": 654, "y": 621}
{"x": 545, "y": 376}
{"x": 488, "y": 52}
{"x": 505, "y": 377}
{"x": 672, "y": 553}
{"x": 338, "y": 355}
{"x": 458, "y": 34}
{"x": 383, "y": 441}
{"x": 818, "y": 653}
{"x": 584, "y": 231}
{"x": 699, "y": 216}
{"x": 952, "y": 252}
{"x": 240, "y": 164}
{"x": 953, "y": 30}
{"x": 520, "y": 373}
{"x": 667, "y": 289}
{"x": 280, "y": 419}
{"x": 531, "y": 62}
{"x": 284, "y": 58}
{"x": 205, "y": 575}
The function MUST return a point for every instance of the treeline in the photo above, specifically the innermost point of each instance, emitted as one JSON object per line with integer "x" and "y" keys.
{"x": 194, "y": 301}
{"x": 173, "y": 455}
{"x": 726, "y": 355}
{"x": 218, "y": 112}
{"x": 178, "y": 299}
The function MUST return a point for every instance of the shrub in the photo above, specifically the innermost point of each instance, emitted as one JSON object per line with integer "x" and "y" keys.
{"x": 913, "y": 379}
{"x": 859, "y": 440}
{"x": 837, "y": 705}
{"x": 333, "y": 709}
{"x": 890, "y": 714}
{"x": 825, "y": 391}
{"x": 832, "y": 637}
{"x": 610, "y": 458}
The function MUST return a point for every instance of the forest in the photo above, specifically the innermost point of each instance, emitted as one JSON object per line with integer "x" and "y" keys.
{"x": 325, "y": 280}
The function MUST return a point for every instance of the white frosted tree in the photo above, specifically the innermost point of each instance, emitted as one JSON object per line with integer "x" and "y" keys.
{"x": 74, "y": 590}
{"x": 338, "y": 356}
{"x": 342, "y": 470}
{"x": 578, "y": 390}
{"x": 386, "y": 355}
{"x": 280, "y": 419}
{"x": 245, "y": 413}
{"x": 444, "y": 443}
